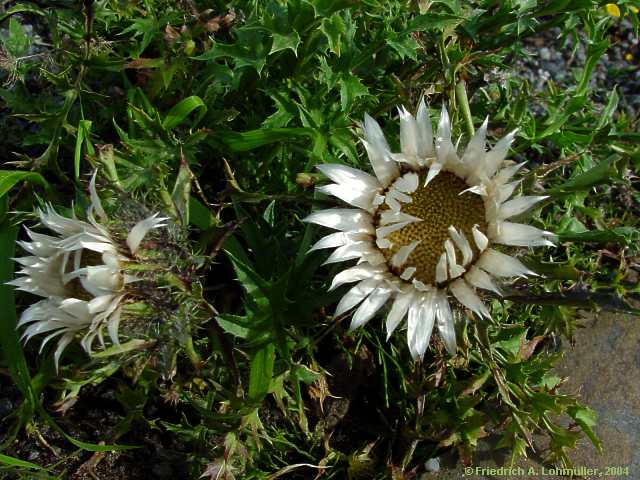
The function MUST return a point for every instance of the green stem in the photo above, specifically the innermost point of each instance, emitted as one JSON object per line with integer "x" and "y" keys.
{"x": 191, "y": 352}
{"x": 463, "y": 102}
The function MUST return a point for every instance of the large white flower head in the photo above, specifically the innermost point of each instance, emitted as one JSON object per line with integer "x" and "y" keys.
{"x": 80, "y": 272}
{"x": 424, "y": 227}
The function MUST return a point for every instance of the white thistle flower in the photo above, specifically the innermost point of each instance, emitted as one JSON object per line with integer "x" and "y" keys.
{"x": 424, "y": 227}
{"x": 79, "y": 272}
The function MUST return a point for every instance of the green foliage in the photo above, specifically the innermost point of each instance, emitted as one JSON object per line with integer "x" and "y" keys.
{"x": 216, "y": 113}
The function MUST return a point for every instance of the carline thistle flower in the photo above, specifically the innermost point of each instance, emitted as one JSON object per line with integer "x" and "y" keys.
{"x": 80, "y": 272}
{"x": 424, "y": 227}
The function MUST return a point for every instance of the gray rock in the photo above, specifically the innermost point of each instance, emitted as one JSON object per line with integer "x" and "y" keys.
{"x": 545, "y": 53}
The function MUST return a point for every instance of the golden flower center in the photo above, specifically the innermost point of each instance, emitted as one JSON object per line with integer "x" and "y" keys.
{"x": 440, "y": 204}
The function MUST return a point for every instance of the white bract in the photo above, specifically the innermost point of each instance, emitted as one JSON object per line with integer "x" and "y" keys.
{"x": 79, "y": 272}
{"x": 424, "y": 226}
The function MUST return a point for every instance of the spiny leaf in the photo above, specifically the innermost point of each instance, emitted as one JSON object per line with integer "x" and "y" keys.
{"x": 283, "y": 42}
{"x": 351, "y": 88}
{"x": 586, "y": 418}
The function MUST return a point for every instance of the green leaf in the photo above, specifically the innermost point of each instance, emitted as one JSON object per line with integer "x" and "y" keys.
{"x": 18, "y": 42}
{"x": 406, "y": 46}
{"x": 334, "y": 29}
{"x": 16, "y": 462}
{"x": 83, "y": 137}
{"x": 182, "y": 192}
{"x": 586, "y": 418}
{"x": 9, "y": 339}
{"x": 602, "y": 173}
{"x": 261, "y": 372}
{"x": 91, "y": 447}
{"x": 252, "y": 282}
{"x": 626, "y": 235}
{"x": 305, "y": 374}
{"x": 283, "y": 42}
{"x": 324, "y": 8}
{"x": 148, "y": 27}
{"x": 131, "y": 345}
{"x": 609, "y": 109}
{"x": 21, "y": 8}
{"x": 351, "y": 88}
{"x": 9, "y": 178}
{"x": 235, "y": 325}
{"x": 550, "y": 381}
{"x": 595, "y": 50}
{"x": 242, "y": 142}
{"x": 513, "y": 339}
{"x": 269, "y": 214}
{"x": 559, "y": 271}
{"x": 199, "y": 215}
{"x": 433, "y": 21}
{"x": 477, "y": 382}
{"x": 250, "y": 50}
{"x": 182, "y": 109}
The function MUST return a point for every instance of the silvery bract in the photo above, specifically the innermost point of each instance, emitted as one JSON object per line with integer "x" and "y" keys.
{"x": 423, "y": 228}
{"x": 79, "y": 272}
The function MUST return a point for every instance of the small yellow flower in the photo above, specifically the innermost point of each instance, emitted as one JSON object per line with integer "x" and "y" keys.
{"x": 628, "y": 57}
{"x": 612, "y": 9}
{"x": 633, "y": 9}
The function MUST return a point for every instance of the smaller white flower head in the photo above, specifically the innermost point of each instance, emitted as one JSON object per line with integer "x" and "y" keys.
{"x": 423, "y": 226}
{"x": 79, "y": 272}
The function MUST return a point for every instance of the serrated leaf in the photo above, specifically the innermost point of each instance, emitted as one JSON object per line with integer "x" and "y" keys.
{"x": 515, "y": 337}
{"x": 477, "y": 382}
{"x": 602, "y": 173}
{"x": 406, "y": 46}
{"x": 587, "y": 419}
{"x": 350, "y": 88}
{"x": 334, "y": 29}
{"x": 18, "y": 42}
{"x": 627, "y": 235}
{"x": 235, "y": 325}
{"x": 283, "y": 42}
{"x": 550, "y": 381}
{"x": 250, "y": 50}
{"x": 148, "y": 27}
{"x": 305, "y": 374}
{"x": 433, "y": 21}
{"x": 324, "y": 8}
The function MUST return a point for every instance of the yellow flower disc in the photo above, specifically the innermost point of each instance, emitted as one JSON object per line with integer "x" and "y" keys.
{"x": 439, "y": 205}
